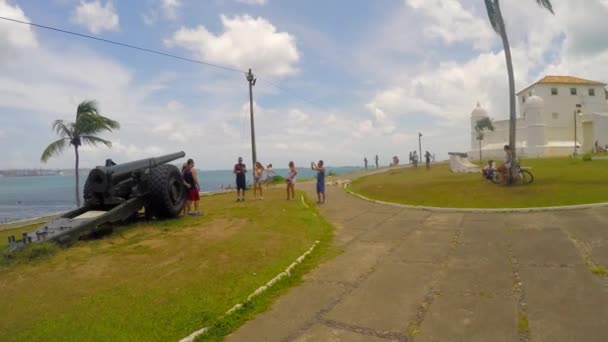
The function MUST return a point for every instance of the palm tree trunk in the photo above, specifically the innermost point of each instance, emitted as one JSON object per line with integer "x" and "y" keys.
{"x": 77, "y": 178}
{"x": 480, "y": 150}
{"x": 512, "y": 113}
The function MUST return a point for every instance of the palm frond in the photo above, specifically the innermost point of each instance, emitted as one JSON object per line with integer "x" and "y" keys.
{"x": 55, "y": 148}
{"x": 493, "y": 15}
{"x": 546, "y": 4}
{"x": 90, "y": 122}
{"x": 484, "y": 123}
{"x": 62, "y": 129}
{"x": 93, "y": 141}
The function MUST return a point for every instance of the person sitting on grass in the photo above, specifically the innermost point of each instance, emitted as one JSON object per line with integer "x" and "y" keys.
{"x": 191, "y": 179}
{"x": 291, "y": 181}
{"x": 506, "y": 165}
{"x": 258, "y": 172}
{"x": 488, "y": 170}
{"x": 320, "y": 181}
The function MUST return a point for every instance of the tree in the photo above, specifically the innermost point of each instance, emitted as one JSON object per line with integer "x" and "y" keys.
{"x": 481, "y": 125}
{"x": 88, "y": 124}
{"x": 498, "y": 24}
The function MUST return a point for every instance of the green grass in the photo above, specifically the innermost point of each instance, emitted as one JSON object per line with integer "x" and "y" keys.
{"x": 598, "y": 270}
{"x": 160, "y": 281}
{"x": 557, "y": 181}
{"x": 523, "y": 326}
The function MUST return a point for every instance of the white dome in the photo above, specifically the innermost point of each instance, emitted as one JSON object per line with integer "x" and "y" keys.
{"x": 479, "y": 112}
{"x": 534, "y": 102}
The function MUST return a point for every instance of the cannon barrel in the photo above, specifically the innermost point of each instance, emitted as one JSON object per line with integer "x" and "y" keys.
{"x": 103, "y": 177}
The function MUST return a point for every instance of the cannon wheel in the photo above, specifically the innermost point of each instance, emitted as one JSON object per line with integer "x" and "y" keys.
{"x": 167, "y": 191}
{"x": 88, "y": 193}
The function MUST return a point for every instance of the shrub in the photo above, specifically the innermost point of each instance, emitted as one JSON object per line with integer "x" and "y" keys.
{"x": 587, "y": 157}
{"x": 278, "y": 179}
{"x": 331, "y": 173}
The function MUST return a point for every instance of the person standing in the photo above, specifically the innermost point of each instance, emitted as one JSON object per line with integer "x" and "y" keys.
{"x": 365, "y": 162}
{"x": 320, "y": 181}
{"x": 427, "y": 159}
{"x": 376, "y": 161}
{"x": 240, "y": 170}
{"x": 415, "y": 158}
{"x": 411, "y": 158}
{"x": 291, "y": 181}
{"x": 269, "y": 175}
{"x": 192, "y": 197}
{"x": 258, "y": 172}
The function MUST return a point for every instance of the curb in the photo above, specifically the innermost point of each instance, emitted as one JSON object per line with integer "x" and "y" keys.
{"x": 479, "y": 210}
{"x": 257, "y": 292}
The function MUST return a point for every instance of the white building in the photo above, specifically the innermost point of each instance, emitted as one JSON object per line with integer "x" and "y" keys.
{"x": 547, "y": 113}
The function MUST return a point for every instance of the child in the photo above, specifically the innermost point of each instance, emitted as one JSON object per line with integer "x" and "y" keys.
{"x": 258, "y": 171}
{"x": 488, "y": 170}
{"x": 269, "y": 175}
{"x": 291, "y": 181}
{"x": 320, "y": 181}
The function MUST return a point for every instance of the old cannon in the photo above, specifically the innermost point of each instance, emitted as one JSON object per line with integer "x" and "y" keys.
{"x": 115, "y": 193}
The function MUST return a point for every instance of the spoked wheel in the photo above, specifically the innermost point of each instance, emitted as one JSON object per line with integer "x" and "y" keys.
{"x": 496, "y": 177}
{"x": 526, "y": 176}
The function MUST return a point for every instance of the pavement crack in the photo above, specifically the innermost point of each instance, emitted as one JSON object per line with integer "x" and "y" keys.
{"x": 523, "y": 329}
{"x": 413, "y": 327}
{"x": 388, "y": 335}
{"x": 584, "y": 251}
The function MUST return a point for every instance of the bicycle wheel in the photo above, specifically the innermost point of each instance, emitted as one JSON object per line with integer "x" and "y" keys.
{"x": 496, "y": 177}
{"x": 526, "y": 176}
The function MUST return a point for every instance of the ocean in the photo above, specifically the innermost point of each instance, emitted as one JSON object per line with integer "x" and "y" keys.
{"x": 28, "y": 197}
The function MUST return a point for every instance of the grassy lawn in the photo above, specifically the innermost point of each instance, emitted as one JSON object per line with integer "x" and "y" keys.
{"x": 557, "y": 181}
{"x": 159, "y": 281}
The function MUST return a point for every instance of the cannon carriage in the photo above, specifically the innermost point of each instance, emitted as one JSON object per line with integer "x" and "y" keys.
{"x": 113, "y": 194}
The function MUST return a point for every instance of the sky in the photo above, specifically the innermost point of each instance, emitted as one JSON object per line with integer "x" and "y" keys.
{"x": 336, "y": 80}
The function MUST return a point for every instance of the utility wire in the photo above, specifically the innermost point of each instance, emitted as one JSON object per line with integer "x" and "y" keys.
{"x": 122, "y": 44}
{"x": 155, "y": 52}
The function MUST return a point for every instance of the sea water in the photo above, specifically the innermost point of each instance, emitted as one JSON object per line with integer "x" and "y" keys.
{"x": 28, "y": 197}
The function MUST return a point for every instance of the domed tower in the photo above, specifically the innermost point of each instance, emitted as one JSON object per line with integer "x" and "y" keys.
{"x": 535, "y": 123}
{"x": 476, "y": 114}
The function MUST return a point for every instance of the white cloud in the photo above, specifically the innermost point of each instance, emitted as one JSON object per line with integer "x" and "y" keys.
{"x": 170, "y": 8}
{"x": 14, "y": 35}
{"x": 245, "y": 42}
{"x": 452, "y": 23}
{"x": 253, "y": 2}
{"x": 96, "y": 17}
{"x": 167, "y": 9}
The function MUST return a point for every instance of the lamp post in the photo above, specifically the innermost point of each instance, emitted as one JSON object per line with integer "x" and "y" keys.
{"x": 251, "y": 79}
{"x": 419, "y": 146}
{"x": 577, "y": 112}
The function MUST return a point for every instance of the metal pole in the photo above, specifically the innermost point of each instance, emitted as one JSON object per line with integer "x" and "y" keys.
{"x": 251, "y": 81}
{"x": 575, "y": 113}
{"x": 419, "y": 146}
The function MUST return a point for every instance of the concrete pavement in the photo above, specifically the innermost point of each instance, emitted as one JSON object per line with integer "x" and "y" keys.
{"x": 411, "y": 275}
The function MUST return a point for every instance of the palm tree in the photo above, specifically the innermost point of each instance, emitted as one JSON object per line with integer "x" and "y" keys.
{"x": 88, "y": 123}
{"x": 481, "y": 125}
{"x": 498, "y": 24}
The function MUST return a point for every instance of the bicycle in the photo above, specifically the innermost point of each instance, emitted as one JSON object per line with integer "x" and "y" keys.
{"x": 522, "y": 175}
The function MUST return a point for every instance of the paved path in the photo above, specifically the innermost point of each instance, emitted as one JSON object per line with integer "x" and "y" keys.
{"x": 414, "y": 275}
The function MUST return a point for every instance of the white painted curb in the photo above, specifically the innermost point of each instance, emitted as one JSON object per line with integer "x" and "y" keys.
{"x": 479, "y": 210}
{"x": 257, "y": 292}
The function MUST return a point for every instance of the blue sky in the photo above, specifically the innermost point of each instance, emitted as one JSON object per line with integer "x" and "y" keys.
{"x": 374, "y": 74}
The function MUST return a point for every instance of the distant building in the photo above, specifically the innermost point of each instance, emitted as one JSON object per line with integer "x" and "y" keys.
{"x": 545, "y": 125}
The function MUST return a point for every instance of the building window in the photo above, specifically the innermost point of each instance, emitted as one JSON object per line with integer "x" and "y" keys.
{"x": 553, "y": 91}
{"x": 591, "y": 92}
{"x": 572, "y": 91}
{"x": 523, "y": 99}
{"x": 555, "y": 116}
